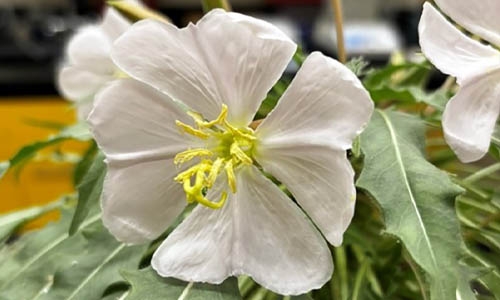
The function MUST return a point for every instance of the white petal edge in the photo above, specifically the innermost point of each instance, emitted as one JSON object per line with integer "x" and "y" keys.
{"x": 91, "y": 48}
{"x": 479, "y": 17}
{"x": 226, "y": 58}
{"x": 78, "y": 83}
{"x": 140, "y": 201}
{"x": 470, "y": 116}
{"x": 113, "y": 24}
{"x": 450, "y": 50}
{"x": 325, "y": 104}
{"x": 133, "y": 122}
{"x": 259, "y": 232}
{"x": 322, "y": 181}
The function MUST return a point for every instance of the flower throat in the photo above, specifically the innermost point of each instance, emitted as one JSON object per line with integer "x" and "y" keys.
{"x": 227, "y": 148}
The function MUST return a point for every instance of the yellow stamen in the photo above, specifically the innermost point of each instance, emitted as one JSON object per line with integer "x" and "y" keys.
{"x": 231, "y": 179}
{"x": 236, "y": 151}
{"x": 189, "y": 154}
{"x": 228, "y": 148}
{"x": 214, "y": 172}
{"x": 192, "y": 131}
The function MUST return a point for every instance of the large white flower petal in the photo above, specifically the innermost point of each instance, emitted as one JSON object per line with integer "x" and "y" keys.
{"x": 78, "y": 83}
{"x": 259, "y": 232}
{"x": 321, "y": 180}
{"x": 450, "y": 50}
{"x": 470, "y": 116}
{"x": 479, "y": 17}
{"x": 90, "y": 47}
{"x": 140, "y": 201}
{"x": 132, "y": 121}
{"x": 325, "y": 104}
{"x": 225, "y": 58}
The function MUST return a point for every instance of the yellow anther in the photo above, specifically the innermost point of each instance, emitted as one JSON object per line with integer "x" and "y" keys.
{"x": 192, "y": 131}
{"x": 189, "y": 154}
{"x": 220, "y": 119}
{"x": 231, "y": 179}
{"x": 236, "y": 151}
{"x": 198, "y": 118}
{"x": 214, "y": 172}
{"x": 195, "y": 192}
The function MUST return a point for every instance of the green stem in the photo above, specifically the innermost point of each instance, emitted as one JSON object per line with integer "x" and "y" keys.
{"x": 208, "y": 5}
{"x": 360, "y": 275}
{"x": 471, "y": 189}
{"x": 482, "y": 173}
{"x": 341, "y": 266}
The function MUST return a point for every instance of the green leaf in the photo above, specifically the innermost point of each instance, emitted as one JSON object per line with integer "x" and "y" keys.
{"x": 89, "y": 191}
{"x": 49, "y": 264}
{"x": 147, "y": 285}
{"x": 416, "y": 198}
{"x": 10, "y": 222}
{"x": 84, "y": 164}
{"x": 409, "y": 94}
{"x": 78, "y": 132}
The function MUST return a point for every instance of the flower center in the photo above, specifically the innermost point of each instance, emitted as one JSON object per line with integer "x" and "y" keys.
{"x": 227, "y": 148}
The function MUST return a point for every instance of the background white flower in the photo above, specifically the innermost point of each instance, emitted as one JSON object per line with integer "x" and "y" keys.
{"x": 234, "y": 60}
{"x": 470, "y": 116}
{"x": 88, "y": 65}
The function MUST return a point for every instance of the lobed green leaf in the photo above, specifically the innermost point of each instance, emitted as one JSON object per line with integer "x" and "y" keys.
{"x": 416, "y": 198}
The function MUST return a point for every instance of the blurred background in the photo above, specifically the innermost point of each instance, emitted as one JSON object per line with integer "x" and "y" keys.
{"x": 33, "y": 34}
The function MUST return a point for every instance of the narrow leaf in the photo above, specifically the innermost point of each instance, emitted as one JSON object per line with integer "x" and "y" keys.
{"x": 78, "y": 132}
{"x": 10, "y": 222}
{"x": 147, "y": 285}
{"x": 89, "y": 191}
{"x": 84, "y": 164}
{"x": 416, "y": 198}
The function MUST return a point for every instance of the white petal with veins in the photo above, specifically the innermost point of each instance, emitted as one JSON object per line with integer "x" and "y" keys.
{"x": 259, "y": 232}
{"x": 226, "y": 58}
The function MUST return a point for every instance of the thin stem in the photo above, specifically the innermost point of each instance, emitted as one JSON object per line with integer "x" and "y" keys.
{"x": 483, "y": 173}
{"x": 208, "y": 5}
{"x": 341, "y": 265}
{"x": 360, "y": 275}
{"x": 448, "y": 84}
{"x": 339, "y": 26}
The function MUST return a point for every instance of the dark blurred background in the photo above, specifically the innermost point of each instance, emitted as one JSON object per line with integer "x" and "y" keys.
{"x": 33, "y": 33}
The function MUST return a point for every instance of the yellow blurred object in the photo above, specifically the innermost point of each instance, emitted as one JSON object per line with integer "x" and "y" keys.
{"x": 40, "y": 181}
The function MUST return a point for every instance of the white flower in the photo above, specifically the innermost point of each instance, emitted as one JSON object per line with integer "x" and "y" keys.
{"x": 88, "y": 65}
{"x": 159, "y": 156}
{"x": 470, "y": 116}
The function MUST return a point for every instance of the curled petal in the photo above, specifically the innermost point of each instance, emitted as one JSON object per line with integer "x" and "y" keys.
{"x": 470, "y": 116}
{"x": 479, "y": 17}
{"x": 450, "y": 50}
